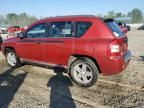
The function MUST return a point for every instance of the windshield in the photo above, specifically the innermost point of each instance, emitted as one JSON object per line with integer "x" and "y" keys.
{"x": 114, "y": 28}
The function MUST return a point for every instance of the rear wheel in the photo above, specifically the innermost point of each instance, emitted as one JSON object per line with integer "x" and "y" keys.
{"x": 84, "y": 72}
{"x": 12, "y": 59}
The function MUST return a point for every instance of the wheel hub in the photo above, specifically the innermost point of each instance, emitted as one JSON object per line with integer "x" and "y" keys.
{"x": 83, "y": 73}
{"x": 11, "y": 58}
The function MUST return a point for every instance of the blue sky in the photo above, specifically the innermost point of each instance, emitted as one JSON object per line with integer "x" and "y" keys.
{"x": 44, "y": 8}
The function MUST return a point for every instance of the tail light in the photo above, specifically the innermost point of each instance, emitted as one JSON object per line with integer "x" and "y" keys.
{"x": 114, "y": 49}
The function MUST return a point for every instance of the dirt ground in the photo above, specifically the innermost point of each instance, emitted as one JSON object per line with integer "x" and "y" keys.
{"x": 37, "y": 87}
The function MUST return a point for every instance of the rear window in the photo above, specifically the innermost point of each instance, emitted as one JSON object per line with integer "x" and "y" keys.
{"x": 16, "y": 27}
{"x": 82, "y": 28}
{"x": 114, "y": 28}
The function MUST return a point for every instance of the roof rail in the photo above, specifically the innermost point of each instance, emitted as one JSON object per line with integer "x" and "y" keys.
{"x": 73, "y": 16}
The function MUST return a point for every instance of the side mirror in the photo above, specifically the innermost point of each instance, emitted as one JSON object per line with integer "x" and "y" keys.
{"x": 20, "y": 35}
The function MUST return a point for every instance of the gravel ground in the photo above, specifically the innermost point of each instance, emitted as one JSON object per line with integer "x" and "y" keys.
{"x": 37, "y": 87}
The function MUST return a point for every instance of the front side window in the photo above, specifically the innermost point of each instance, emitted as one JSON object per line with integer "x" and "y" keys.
{"x": 61, "y": 29}
{"x": 82, "y": 28}
{"x": 38, "y": 31}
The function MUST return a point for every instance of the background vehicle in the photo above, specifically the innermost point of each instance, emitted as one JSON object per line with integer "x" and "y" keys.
{"x": 124, "y": 27}
{"x": 15, "y": 29}
{"x": 141, "y": 27}
{"x": 86, "y": 45}
{"x": 3, "y": 28}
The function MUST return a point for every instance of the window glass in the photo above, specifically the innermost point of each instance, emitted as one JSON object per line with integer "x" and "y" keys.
{"x": 37, "y": 31}
{"x": 61, "y": 29}
{"x": 114, "y": 28}
{"x": 82, "y": 27}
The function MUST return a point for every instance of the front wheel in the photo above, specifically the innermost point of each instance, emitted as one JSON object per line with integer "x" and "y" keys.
{"x": 12, "y": 59}
{"x": 84, "y": 72}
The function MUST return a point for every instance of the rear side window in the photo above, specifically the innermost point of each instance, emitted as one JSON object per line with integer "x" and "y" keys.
{"x": 82, "y": 28}
{"x": 61, "y": 29}
{"x": 114, "y": 28}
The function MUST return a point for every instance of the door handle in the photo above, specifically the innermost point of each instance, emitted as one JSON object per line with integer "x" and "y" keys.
{"x": 38, "y": 42}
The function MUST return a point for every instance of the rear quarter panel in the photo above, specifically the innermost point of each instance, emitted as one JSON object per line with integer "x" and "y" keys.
{"x": 94, "y": 42}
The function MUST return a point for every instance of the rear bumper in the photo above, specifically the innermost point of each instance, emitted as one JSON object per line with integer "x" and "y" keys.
{"x": 127, "y": 56}
{"x": 115, "y": 65}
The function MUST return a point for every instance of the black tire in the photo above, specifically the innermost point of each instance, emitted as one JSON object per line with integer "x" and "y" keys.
{"x": 91, "y": 64}
{"x": 1, "y": 40}
{"x": 18, "y": 63}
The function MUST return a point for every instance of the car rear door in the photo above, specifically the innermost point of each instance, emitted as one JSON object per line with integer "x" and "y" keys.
{"x": 60, "y": 42}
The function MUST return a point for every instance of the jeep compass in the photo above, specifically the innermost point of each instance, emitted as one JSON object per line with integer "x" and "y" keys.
{"x": 85, "y": 45}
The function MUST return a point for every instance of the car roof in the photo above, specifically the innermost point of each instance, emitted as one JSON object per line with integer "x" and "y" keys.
{"x": 69, "y": 17}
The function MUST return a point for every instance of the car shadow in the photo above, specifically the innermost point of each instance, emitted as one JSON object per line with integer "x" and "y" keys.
{"x": 60, "y": 96}
{"x": 9, "y": 85}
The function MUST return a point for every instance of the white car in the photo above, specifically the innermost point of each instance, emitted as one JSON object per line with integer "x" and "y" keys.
{"x": 3, "y": 28}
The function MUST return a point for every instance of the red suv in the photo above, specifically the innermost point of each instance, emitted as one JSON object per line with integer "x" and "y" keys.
{"x": 15, "y": 29}
{"x": 85, "y": 45}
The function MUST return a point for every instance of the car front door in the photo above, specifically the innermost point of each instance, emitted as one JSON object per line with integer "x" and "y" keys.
{"x": 31, "y": 47}
{"x": 59, "y": 45}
